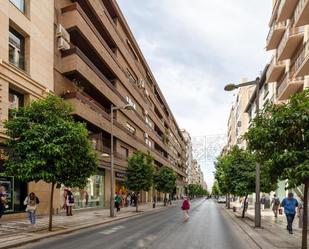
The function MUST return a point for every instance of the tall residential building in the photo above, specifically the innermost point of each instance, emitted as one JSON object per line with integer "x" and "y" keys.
{"x": 238, "y": 119}
{"x": 26, "y": 73}
{"x": 189, "y": 155}
{"x": 85, "y": 52}
{"x": 288, "y": 38}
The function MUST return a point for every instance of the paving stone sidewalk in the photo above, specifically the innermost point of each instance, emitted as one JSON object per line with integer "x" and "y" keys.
{"x": 273, "y": 233}
{"x": 16, "y": 232}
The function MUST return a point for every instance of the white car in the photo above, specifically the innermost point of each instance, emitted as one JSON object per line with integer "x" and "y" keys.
{"x": 222, "y": 199}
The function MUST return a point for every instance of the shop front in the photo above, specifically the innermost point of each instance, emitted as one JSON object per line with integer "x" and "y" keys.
{"x": 15, "y": 190}
{"x": 92, "y": 196}
{"x": 120, "y": 186}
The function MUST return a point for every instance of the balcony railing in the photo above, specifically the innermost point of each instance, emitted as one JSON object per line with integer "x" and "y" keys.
{"x": 286, "y": 81}
{"x": 291, "y": 31}
{"x": 273, "y": 28}
{"x": 299, "y": 9}
{"x": 302, "y": 56}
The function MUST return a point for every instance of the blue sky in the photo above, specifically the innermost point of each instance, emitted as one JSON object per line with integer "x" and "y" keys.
{"x": 196, "y": 47}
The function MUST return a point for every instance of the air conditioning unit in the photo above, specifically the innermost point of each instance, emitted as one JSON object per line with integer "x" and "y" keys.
{"x": 63, "y": 44}
{"x": 141, "y": 83}
{"x": 61, "y": 32}
{"x": 146, "y": 135}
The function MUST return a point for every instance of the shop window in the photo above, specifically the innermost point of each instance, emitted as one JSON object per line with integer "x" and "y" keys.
{"x": 16, "y": 49}
{"x": 16, "y": 100}
{"x": 20, "y": 4}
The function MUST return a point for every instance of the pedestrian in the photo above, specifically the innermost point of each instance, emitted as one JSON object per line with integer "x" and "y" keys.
{"x": 65, "y": 194}
{"x": 117, "y": 202}
{"x": 32, "y": 202}
{"x": 263, "y": 201}
{"x": 3, "y": 200}
{"x": 69, "y": 202}
{"x": 129, "y": 200}
{"x": 185, "y": 207}
{"x": 276, "y": 204}
{"x": 300, "y": 213}
{"x": 290, "y": 204}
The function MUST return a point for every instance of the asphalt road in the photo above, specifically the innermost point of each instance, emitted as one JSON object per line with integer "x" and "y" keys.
{"x": 207, "y": 228}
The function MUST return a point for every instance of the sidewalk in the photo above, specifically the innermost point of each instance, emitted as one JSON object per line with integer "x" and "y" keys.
{"x": 273, "y": 233}
{"x": 18, "y": 232}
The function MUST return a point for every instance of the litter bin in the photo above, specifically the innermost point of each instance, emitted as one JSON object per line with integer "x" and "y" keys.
{"x": 234, "y": 209}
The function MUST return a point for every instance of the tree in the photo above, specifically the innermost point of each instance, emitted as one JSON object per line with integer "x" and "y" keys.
{"x": 280, "y": 138}
{"x": 165, "y": 180}
{"x": 196, "y": 190}
{"x": 139, "y": 173}
{"x": 238, "y": 167}
{"x": 215, "y": 189}
{"x": 47, "y": 144}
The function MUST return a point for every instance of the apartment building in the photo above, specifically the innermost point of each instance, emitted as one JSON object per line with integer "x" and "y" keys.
{"x": 197, "y": 174}
{"x": 98, "y": 63}
{"x": 85, "y": 52}
{"x": 26, "y": 73}
{"x": 189, "y": 155}
{"x": 288, "y": 39}
{"x": 238, "y": 121}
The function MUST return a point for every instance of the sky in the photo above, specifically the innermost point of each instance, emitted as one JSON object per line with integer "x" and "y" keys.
{"x": 194, "y": 48}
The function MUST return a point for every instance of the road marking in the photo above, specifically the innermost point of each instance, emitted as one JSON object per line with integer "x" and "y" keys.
{"x": 112, "y": 230}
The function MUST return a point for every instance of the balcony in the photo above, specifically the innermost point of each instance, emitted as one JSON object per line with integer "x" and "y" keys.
{"x": 302, "y": 13}
{"x": 302, "y": 62}
{"x": 286, "y": 9}
{"x": 275, "y": 70}
{"x": 289, "y": 43}
{"x": 289, "y": 86}
{"x": 275, "y": 34}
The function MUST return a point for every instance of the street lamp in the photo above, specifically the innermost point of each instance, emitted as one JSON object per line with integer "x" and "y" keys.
{"x": 231, "y": 87}
{"x": 114, "y": 108}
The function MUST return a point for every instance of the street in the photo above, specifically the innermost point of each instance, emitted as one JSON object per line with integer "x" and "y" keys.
{"x": 207, "y": 228}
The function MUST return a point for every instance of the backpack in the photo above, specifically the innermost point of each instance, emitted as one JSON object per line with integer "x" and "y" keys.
{"x": 71, "y": 198}
{"x": 277, "y": 201}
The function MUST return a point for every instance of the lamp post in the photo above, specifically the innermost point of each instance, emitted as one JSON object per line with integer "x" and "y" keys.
{"x": 257, "y": 210}
{"x": 114, "y": 108}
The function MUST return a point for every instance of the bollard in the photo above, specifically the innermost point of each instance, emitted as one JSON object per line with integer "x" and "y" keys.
{"x": 234, "y": 209}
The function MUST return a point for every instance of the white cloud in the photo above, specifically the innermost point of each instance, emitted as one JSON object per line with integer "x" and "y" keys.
{"x": 194, "y": 48}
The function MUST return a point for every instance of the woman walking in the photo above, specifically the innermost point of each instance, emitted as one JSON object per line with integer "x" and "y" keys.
{"x": 3, "y": 200}
{"x": 185, "y": 207}
{"x": 69, "y": 202}
{"x": 300, "y": 213}
{"x": 31, "y": 201}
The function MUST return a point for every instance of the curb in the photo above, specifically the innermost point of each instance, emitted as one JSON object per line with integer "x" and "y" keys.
{"x": 249, "y": 231}
{"x": 74, "y": 229}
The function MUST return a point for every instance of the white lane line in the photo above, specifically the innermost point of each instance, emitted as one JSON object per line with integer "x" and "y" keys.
{"x": 112, "y": 230}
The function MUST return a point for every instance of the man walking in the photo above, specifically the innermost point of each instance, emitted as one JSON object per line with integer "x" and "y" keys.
{"x": 276, "y": 203}
{"x": 290, "y": 204}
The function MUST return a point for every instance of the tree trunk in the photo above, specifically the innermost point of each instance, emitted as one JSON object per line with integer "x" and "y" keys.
{"x": 244, "y": 210}
{"x": 228, "y": 201}
{"x": 136, "y": 203}
{"x": 226, "y": 204}
{"x": 50, "y": 225}
{"x": 164, "y": 199}
{"x": 305, "y": 216}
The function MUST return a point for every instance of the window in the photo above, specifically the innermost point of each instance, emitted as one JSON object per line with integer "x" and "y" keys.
{"x": 130, "y": 128}
{"x": 148, "y": 142}
{"x": 265, "y": 90}
{"x": 20, "y": 4}
{"x": 16, "y": 49}
{"x": 16, "y": 100}
{"x": 124, "y": 151}
{"x": 149, "y": 122}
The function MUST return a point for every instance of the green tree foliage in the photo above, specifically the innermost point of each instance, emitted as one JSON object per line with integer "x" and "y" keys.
{"x": 165, "y": 180}
{"x": 280, "y": 138}
{"x": 196, "y": 190}
{"x": 235, "y": 172}
{"x": 139, "y": 173}
{"x": 47, "y": 144}
{"x": 215, "y": 191}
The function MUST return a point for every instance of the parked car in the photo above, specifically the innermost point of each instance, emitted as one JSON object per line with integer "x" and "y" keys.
{"x": 221, "y": 199}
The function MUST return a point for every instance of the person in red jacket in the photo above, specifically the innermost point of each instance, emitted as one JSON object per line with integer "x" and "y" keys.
{"x": 185, "y": 207}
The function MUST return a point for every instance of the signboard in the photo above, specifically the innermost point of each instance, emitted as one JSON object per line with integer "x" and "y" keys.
{"x": 120, "y": 175}
{"x": 8, "y": 183}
